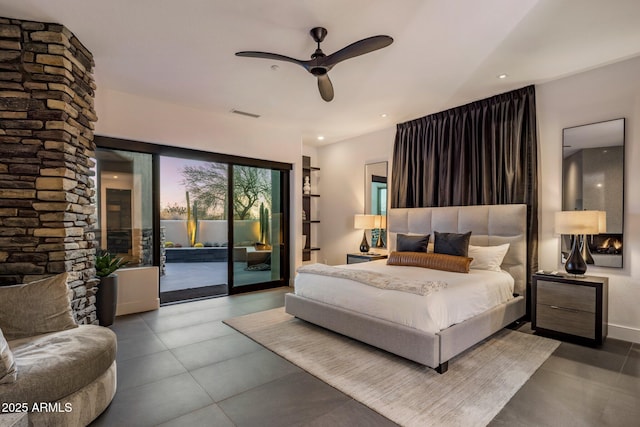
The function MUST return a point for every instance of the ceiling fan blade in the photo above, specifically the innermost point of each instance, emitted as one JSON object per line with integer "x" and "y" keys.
{"x": 325, "y": 87}
{"x": 275, "y": 56}
{"x": 358, "y": 48}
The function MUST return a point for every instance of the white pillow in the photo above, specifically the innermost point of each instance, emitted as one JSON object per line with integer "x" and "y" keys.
{"x": 487, "y": 257}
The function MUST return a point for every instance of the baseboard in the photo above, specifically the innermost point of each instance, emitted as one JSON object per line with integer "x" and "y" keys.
{"x": 624, "y": 333}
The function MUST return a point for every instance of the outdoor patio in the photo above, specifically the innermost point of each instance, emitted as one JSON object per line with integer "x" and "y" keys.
{"x": 187, "y": 275}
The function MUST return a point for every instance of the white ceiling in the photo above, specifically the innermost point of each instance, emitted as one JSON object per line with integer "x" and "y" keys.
{"x": 445, "y": 53}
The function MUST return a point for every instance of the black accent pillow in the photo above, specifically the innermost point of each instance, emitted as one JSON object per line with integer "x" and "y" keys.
{"x": 407, "y": 243}
{"x": 452, "y": 243}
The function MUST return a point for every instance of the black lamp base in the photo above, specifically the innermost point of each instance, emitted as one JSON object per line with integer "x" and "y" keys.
{"x": 364, "y": 245}
{"x": 379, "y": 242}
{"x": 575, "y": 264}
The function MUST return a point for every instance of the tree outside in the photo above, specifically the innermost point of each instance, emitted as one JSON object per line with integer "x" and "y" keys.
{"x": 207, "y": 184}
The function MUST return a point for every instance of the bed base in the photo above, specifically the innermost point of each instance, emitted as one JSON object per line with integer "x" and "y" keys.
{"x": 432, "y": 350}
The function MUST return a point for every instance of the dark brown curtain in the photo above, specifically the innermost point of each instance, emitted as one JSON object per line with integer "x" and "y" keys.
{"x": 482, "y": 153}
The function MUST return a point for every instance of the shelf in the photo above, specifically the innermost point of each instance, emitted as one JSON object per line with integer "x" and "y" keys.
{"x": 310, "y": 208}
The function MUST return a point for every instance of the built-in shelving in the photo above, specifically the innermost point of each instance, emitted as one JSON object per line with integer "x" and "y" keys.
{"x": 307, "y": 206}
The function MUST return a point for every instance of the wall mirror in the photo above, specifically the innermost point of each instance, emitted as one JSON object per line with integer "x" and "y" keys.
{"x": 593, "y": 179}
{"x": 375, "y": 199}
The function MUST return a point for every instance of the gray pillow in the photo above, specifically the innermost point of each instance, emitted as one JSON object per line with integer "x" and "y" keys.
{"x": 409, "y": 243}
{"x": 36, "y": 308}
{"x": 8, "y": 371}
{"x": 452, "y": 243}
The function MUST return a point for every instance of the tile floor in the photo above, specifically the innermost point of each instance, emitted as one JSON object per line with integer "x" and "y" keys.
{"x": 181, "y": 366}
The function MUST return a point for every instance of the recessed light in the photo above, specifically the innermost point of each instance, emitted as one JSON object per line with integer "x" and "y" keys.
{"x": 599, "y": 185}
{"x": 320, "y": 138}
{"x": 275, "y": 67}
{"x": 502, "y": 76}
{"x": 115, "y": 176}
{"x": 383, "y": 115}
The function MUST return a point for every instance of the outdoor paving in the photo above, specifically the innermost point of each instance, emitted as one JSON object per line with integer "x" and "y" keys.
{"x": 187, "y": 275}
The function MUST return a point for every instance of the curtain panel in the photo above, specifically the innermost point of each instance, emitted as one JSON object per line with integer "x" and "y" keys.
{"x": 477, "y": 154}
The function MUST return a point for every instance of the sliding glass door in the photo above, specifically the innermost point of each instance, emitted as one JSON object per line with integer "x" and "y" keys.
{"x": 193, "y": 229}
{"x": 258, "y": 226}
{"x": 213, "y": 224}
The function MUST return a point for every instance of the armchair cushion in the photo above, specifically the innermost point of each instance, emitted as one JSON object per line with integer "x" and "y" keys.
{"x": 36, "y": 308}
{"x": 52, "y": 366}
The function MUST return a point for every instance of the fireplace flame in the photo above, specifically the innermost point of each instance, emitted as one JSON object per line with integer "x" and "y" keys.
{"x": 611, "y": 242}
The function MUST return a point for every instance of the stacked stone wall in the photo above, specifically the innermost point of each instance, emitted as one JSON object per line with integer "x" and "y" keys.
{"x": 46, "y": 159}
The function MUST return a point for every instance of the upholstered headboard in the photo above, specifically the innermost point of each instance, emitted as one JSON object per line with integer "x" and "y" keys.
{"x": 490, "y": 225}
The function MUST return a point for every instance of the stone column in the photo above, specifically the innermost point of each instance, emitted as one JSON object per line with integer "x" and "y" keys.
{"x": 46, "y": 159}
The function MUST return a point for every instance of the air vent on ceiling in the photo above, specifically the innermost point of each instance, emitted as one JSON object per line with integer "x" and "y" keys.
{"x": 244, "y": 113}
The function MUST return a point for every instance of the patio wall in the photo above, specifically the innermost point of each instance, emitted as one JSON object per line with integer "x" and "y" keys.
{"x": 211, "y": 231}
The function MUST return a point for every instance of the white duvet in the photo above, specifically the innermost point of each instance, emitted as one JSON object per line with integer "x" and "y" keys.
{"x": 465, "y": 296}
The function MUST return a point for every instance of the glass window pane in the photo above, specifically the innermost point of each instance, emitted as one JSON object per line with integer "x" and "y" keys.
{"x": 193, "y": 229}
{"x": 125, "y": 205}
{"x": 258, "y": 225}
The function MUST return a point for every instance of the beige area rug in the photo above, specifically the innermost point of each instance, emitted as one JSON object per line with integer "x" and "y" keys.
{"x": 476, "y": 387}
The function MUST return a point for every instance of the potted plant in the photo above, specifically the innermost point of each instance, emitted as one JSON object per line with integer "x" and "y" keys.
{"x": 107, "y": 295}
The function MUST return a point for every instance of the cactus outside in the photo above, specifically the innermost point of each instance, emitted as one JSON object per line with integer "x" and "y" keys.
{"x": 264, "y": 225}
{"x": 192, "y": 222}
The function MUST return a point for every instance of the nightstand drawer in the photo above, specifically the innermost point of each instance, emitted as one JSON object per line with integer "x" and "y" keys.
{"x": 568, "y": 321}
{"x": 582, "y": 298}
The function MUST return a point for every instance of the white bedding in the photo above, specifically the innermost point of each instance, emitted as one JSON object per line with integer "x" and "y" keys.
{"x": 465, "y": 296}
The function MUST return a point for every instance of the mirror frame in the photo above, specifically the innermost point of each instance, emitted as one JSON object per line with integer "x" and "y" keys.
{"x": 373, "y": 174}
{"x": 587, "y": 136}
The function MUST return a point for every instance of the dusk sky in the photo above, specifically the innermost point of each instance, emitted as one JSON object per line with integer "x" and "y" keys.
{"x": 171, "y": 188}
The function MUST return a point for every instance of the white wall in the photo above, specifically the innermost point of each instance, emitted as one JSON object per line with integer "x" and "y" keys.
{"x": 342, "y": 190}
{"x": 605, "y": 93}
{"x": 211, "y": 231}
{"x": 124, "y": 115}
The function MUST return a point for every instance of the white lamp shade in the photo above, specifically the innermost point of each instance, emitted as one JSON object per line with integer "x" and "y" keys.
{"x": 580, "y": 222}
{"x": 602, "y": 222}
{"x": 364, "y": 222}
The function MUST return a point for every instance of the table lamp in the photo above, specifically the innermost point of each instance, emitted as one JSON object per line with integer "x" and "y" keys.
{"x": 578, "y": 223}
{"x": 364, "y": 222}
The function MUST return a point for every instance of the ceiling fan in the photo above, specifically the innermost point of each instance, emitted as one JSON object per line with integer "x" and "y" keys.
{"x": 320, "y": 64}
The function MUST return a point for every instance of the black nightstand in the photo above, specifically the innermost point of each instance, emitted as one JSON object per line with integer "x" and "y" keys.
{"x": 359, "y": 257}
{"x": 573, "y": 308}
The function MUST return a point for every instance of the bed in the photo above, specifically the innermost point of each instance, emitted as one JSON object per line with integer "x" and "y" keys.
{"x": 433, "y": 345}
